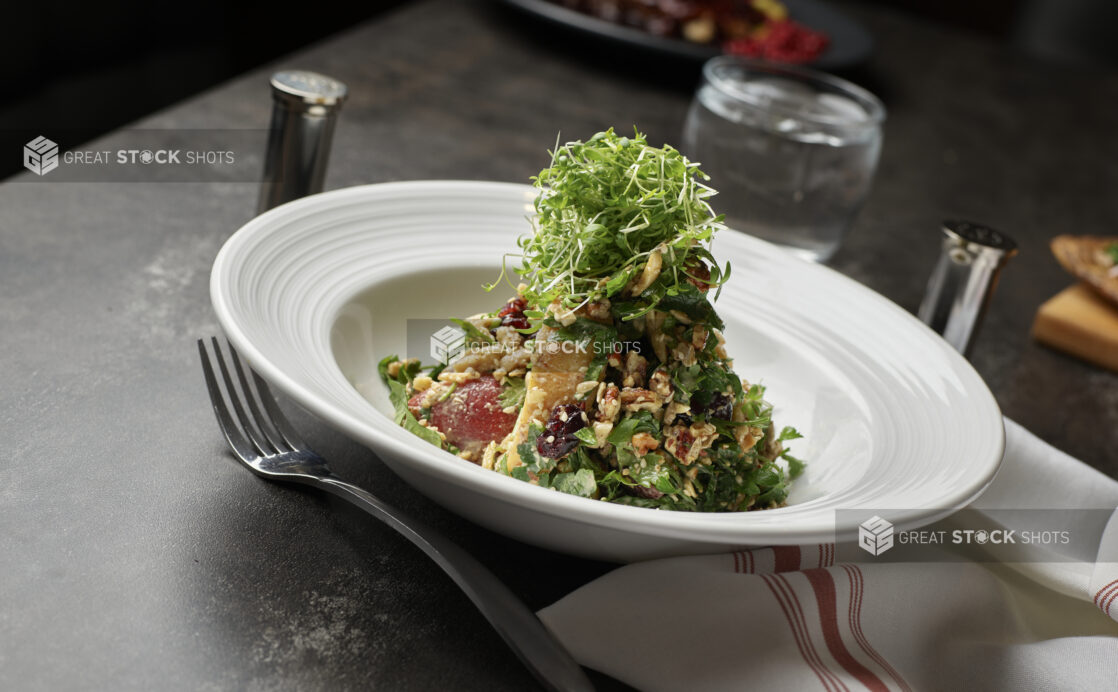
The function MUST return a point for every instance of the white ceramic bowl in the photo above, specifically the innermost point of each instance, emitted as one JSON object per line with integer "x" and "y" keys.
{"x": 316, "y": 292}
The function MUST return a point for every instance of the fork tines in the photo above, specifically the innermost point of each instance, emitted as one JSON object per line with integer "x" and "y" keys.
{"x": 263, "y": 430}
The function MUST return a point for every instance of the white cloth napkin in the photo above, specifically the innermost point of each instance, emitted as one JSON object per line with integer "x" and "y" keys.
{"x": 789, "y": 618}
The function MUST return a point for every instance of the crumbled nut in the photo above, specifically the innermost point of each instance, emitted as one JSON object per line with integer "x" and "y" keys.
{"x": 747, "y": 437}
{"x": 689, "y": 488}
{"x": 687, "y": 443}
{"x": 599, "y": 310}
{"x": 509, "y": 338}
{"x": 685, "y": 354}
{"x": 654, "y": 328}
{"x": 484, "y": 358}
{"x": 609, "y": 402}
{"x": 393, "y": 368}
{"x": 720, "y": 349}
{"x": 643, "y": 443}
{"x": 699, "y": 337}
{"x": 601, "y": 433}
{"x": 638, "y": 399}
{"x": 649, "y": 274}
{"x": 681, "y": 317}
{"x": 459, "y": 377}
{"x": 661, "y": 383}
{"x": 432, "y": 394}
{"x": 635, "y": 367}
{"x": 673, "y": 409}
{"x": 421, "y": 383}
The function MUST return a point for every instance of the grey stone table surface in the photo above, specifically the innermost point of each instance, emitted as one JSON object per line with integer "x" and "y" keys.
{"x": 137, "y": 555}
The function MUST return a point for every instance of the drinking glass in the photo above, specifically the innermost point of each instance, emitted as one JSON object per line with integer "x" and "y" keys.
{"x": 791, "y": 151}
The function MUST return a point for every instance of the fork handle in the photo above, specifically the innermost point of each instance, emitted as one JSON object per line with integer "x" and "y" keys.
{"x": 533, "y": 643}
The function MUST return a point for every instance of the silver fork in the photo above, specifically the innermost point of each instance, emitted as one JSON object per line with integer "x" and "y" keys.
{"x": 264, "y": 441}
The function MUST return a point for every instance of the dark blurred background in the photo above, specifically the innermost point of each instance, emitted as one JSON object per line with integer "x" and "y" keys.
{"x": 78, "y": 70}
{"x": 85, "y": 69}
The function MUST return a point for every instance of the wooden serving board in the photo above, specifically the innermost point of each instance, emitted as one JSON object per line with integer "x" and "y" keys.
{"x": 1080, "y": 322}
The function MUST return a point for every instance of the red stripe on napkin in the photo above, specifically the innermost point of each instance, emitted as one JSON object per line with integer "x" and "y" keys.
{"x": 786, "y": 558}
{"x": 1105, "y": 600}
{"x": 857, "y": 583}
{"x": 743, "y": 562}
{"x": 825, "y": 594}
{"x": 1099, "y": 593}
{"x": 796, "y": 623}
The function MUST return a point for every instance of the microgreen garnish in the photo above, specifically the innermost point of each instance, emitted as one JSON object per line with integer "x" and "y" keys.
{"x": 603, "y": 207}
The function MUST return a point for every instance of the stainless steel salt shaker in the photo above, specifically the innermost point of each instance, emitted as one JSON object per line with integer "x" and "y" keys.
{"x": 305, "y": 109}
{"x": 963, "y": 280}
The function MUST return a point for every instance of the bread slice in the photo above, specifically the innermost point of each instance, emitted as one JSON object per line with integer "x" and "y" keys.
{"x": 1089, "y": 258}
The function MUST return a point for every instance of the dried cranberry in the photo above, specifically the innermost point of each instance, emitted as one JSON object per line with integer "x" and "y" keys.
{"x": 558, "y": 438}
{"x": 512, "y": 315}
{"x": 514, "y": 306}
{"x": 555, "y": 447}
{"x": 566, "y": 419}
{"x": 721, "y": 406}
{"x": 683, "y": 418}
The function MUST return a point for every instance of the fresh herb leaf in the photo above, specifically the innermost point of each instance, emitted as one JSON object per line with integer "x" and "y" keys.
{"x": 641, "y": 421}
{"x": 382, "y": 366}
{"x": 581, "y": 483}
{"x": 398, "y": 395}
{"x": 789, "y": 433}
{"x": 474, "y": 334}
{"x": 534, "y": 462}
{"x": 513, "y": 393}
{"x": 603, "y": 207}
{"x": 586, "y": 436}
{"x": 795, "y": 466}
{"x": 692, "y": 302}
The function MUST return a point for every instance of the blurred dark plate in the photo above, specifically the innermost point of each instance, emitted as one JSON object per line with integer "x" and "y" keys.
{"x": 850, "y": 43}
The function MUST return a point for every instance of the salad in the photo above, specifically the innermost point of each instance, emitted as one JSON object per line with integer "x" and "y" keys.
{"x": 606, "y": 374}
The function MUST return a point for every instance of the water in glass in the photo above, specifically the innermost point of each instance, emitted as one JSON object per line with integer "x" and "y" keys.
{"x": 792, "y": 164}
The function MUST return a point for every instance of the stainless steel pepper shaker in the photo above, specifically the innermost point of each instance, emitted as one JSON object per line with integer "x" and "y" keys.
{"x": 305, "y": 109}
{"x": 963, "y": 280}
